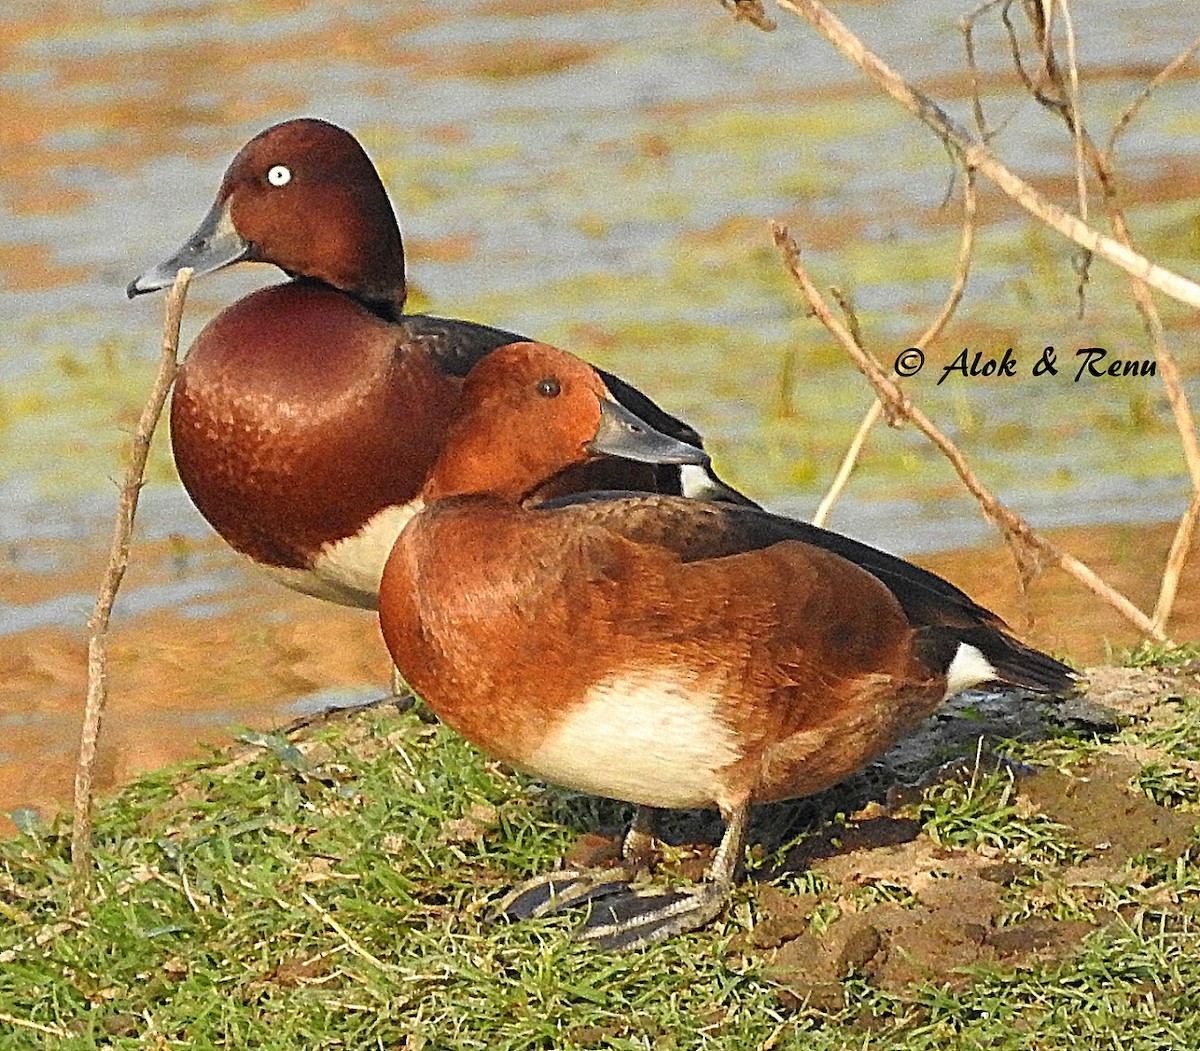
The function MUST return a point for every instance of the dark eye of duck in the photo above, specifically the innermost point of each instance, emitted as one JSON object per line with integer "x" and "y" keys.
{"x": 279, "y": 175}
{"x": 549, "y": 388}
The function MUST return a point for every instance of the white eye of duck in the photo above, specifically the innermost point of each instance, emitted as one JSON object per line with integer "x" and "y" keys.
{"x": 280, "y": 175}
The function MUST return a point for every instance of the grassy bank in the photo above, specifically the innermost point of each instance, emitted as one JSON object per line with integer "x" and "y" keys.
{"x": 328, "y": 889}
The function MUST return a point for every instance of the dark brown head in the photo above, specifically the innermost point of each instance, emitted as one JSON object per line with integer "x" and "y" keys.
{"x": 305, "y": 196}
{"x": 529, "y": 411}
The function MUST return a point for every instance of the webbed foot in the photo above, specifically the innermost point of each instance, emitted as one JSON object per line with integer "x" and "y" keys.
{"x": 637, "y": 919}
{"x": 554, "y": 892}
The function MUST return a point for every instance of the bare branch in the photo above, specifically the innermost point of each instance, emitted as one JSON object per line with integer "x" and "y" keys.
{"x": 962, "y": 272}
{"x": 975, "y": 154}
{"x": 751, "y": 11}
{"x": 821, "y": 516}
{"x": 1118, "y": 249}
{"x": 1185, "y": 423}
{"x": 843, "y": 301}
{"x": 1075, "y": 108}
{"x": 967, "y": 27}
{"x": 37, "y": 1027}
{"x": 966, "y": 250}
{"x": 1180, "y": 547}
{"x": 1135, "y": 107}
{"x": 1020, "y": 535}
{"x": 118, "y": 562}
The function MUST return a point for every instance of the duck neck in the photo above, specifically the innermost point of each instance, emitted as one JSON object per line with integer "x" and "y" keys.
{"x": 385, "y": 303}
{"x": 465, "y": 475}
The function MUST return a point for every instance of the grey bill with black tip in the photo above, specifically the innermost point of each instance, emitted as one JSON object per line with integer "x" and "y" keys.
{"x": 623, "y": 434}
{"x": 214, "y": 245}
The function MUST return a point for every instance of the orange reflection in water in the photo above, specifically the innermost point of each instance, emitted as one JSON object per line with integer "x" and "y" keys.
{"x": 176, "y": 682}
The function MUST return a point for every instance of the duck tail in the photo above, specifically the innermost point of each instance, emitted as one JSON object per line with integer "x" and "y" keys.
{"x": 974, "y": 655}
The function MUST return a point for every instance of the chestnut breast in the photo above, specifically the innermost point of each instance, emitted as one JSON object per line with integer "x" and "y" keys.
{"x": 298, "y": 415}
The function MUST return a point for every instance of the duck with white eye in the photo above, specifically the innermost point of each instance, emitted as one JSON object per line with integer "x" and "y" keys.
{"x": 279, "y": 175}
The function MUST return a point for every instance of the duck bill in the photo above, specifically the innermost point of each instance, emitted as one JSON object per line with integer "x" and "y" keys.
{"x": 214, "y": 245}
{"x": 623, "y": 434}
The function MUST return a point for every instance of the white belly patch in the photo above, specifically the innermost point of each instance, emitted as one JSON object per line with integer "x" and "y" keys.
{"x": 348, "y": 571}
{"x": 644, "y": 737}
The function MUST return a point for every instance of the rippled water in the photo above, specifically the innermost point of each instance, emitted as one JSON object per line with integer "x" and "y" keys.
{"x": 601, "y": 175}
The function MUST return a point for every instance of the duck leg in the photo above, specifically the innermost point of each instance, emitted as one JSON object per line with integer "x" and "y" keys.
{"x": 634, "y": 920}
{"x": 406, "y": 698}
{"x": 637, "y": 848}
{"x": 556, "y": 891}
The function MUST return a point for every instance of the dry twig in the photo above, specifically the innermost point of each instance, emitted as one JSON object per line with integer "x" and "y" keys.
{"x": 118, "y": 562}
{"x": 37, "y": 1027}
{"x": 975, "y": 154}
{"x": 751, "y": 11}
{"x": 1062, "y": 97}
{"x": 1101, "y": 163}
{"x": 1157, "y": 81}
{"x": 1018, "y": 532}
{"x": 1180, "y": 546}
{"x": 962, "y": 272}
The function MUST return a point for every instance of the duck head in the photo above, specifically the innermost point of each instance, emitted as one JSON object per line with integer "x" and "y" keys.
{"x": 530, "y": 410}
{"x": 305, "y": 196}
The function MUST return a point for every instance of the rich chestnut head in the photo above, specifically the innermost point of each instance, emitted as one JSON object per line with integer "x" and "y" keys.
{"x": 529, "y": 411}
{"x": 305, "y": 196}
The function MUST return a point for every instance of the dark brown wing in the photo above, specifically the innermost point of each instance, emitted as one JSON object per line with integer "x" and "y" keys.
{"x": 944, "y": 615}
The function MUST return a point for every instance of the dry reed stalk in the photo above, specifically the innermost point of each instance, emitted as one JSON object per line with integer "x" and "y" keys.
{"x": 962, "y": 272}
{"x": 1101, "y": 163}
{"x": 1019, "y": 534}
{"x": 973, "y": 153}
{"x": 118, "y": 562}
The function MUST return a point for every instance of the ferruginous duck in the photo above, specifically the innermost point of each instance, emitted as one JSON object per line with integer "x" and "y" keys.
{"x": 654, "y": 649}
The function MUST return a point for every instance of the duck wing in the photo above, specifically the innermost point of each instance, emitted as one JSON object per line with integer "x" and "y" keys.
{"x": 945, "y": 616}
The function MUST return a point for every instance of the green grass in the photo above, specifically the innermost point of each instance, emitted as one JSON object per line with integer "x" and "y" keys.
{"x": 1161, "y": 655}
{"x": 332, "y": 893}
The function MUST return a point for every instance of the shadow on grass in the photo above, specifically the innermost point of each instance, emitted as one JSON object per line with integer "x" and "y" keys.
{"x": 950, "y": 745}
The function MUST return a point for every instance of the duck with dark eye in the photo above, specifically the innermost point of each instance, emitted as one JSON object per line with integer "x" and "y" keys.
{"x": 653, "y": 649}
{"x": 306, "y": 416}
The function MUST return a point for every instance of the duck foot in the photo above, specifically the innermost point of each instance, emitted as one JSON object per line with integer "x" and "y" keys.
{"x": 620, "y": 918}
{"x": 640, "y": 918}
{"x": 635, "y": 920}
{"x": 554, "y": 892}
{"x": 406, "y": 699}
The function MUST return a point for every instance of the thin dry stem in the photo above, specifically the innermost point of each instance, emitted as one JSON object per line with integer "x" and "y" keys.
{"x": 1017, "y": 531}
{"x": 751, "y": 11}
{"x": 118, "y": 562}
{"x": 1135, "y": 107}
{"x": 962, "y": 271}
{"x": 1185, "y": 423}
{"x": 1075, "y": 106}
{"x": 37, "y": 1027}
{"x": 966, "y": 250}
{"x": 848, "y": 463}
{"x": 1180, "y": 547}
{"x": 848, "y": 310}
{"x": 967, "y": 27}
{"x": 975, "y": 154}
